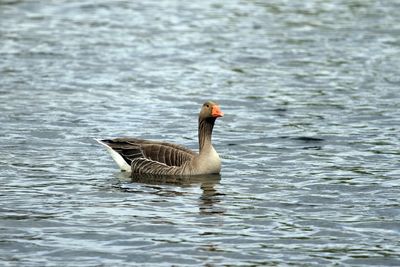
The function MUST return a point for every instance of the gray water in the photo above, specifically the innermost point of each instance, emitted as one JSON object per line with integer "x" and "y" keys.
{"x": 309, "y": 142}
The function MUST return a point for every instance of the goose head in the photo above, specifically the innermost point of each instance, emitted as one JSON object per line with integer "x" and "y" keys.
{"x": 210, "y": 109}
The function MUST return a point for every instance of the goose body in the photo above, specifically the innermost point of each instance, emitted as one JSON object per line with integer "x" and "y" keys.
{"x": 141, "y": 156}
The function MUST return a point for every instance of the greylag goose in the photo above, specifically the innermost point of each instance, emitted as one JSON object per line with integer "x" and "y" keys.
{"x": 160, "y": 158}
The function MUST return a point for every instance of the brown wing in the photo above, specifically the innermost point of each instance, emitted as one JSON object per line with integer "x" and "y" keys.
{"x": 148, "y": 166}
{"x": 166, "y": 153}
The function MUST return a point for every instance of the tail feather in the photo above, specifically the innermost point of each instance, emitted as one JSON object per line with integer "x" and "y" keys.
{"x": 123, "y": 165}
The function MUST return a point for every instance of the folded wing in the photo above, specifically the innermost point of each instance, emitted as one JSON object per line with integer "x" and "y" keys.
{"x": 146, "y": 154}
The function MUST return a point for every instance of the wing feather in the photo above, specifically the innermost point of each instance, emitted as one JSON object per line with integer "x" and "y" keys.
{"x": 132, "y": 149}
{"x": 148, "y": 166}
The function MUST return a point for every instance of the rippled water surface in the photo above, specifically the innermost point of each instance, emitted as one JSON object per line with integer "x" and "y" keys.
{"x": 309, "y": 142}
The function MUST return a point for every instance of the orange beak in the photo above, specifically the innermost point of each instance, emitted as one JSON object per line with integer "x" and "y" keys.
{"x": 216, "y": 112}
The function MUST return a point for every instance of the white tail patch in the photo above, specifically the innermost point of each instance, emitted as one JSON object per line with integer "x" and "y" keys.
{"x": 123, "y": 165}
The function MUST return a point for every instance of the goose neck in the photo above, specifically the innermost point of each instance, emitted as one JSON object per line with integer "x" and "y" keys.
{"x": 205, "y": 132}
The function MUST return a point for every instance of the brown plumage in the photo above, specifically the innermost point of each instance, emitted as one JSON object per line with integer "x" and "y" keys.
{"x": 161, "y": 158}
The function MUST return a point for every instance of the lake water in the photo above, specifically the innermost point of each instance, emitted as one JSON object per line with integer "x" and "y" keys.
{"x": 309, "y": 143}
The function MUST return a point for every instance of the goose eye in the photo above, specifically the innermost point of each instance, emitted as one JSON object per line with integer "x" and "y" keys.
{"x": 208, "y": 105}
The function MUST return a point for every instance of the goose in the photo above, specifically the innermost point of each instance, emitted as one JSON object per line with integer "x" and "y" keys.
{"x": 141, "y": 156}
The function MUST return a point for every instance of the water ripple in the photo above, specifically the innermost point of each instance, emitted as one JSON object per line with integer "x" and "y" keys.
{"x": 309, "y": 141}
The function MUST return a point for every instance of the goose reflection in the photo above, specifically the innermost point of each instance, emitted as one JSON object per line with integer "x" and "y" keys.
{"x": 210, "y": 197}
{"x": 207, "y": 183}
